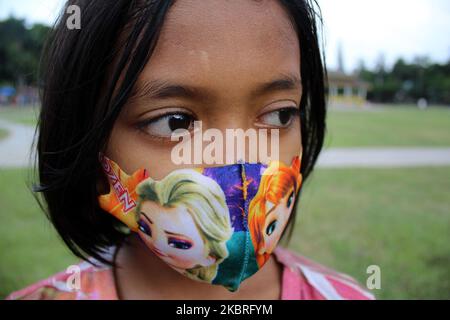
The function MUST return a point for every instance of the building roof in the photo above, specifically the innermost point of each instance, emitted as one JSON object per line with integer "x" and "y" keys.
{"x": 338, "y": 78}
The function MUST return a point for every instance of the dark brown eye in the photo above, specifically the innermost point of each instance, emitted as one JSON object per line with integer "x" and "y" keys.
{"x": 279, "y": 118}
{"x": 165, "y": 125}
{"x": 285, "y": 116}
{"x": 180, "y": 121}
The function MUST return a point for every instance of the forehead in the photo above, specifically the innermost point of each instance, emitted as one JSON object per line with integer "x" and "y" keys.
{"x": 222, "y": 43}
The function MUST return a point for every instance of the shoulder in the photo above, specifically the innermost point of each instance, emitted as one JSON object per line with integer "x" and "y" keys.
{"x": 84, "y": 281}
{"x": 306, "y": 279}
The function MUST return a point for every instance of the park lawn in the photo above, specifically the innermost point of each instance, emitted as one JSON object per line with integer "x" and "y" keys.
{"x": 396, "y": 126}
{"x": 30, "y": 250}
{"x": 23, "y": 115}
{"x": 349, "y": 219}
{"x": 398, "y": 219}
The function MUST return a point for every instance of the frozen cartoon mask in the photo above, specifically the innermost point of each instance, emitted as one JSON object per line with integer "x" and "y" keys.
{"x": 216, "y": 224}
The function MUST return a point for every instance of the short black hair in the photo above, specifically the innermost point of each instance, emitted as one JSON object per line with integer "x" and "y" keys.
{"x": 87, "y": 76}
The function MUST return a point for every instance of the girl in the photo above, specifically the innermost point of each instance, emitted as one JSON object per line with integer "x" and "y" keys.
{"x": 135, "y": 72}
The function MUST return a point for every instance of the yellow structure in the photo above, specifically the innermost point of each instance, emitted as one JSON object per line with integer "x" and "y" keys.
{"x": 346, "y": 90}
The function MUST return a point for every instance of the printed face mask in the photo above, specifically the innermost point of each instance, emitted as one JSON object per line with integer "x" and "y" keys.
{"x": 217, "y": 225}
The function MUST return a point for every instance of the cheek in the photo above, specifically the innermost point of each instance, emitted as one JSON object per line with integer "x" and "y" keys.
{"x": 132, "y": 150}
{"x": 290, "y": 143}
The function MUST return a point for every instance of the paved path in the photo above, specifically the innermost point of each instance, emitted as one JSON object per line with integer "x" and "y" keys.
{"x": 15, "y": 148}
{"x": 384, "y": 157}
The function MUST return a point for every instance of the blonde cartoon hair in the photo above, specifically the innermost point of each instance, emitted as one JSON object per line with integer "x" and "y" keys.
{"x": 277, "y": 180}
{"x": 205, "y": 201}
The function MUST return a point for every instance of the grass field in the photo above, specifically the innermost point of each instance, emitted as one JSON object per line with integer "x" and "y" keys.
{"x": 398, "y": 219}
{"x": 29, "y": 248}
{"x": 24, "y": 115}
{"x": 348, "y": 220}
{"x": 384, "y": 127}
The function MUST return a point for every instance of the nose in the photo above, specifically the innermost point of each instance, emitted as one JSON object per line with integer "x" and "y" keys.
{"x": 241, "y": 140}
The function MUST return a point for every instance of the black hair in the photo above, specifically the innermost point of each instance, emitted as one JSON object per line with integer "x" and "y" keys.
{"x": 88, "y": 75}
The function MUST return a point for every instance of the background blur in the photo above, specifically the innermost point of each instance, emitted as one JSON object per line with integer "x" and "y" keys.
{"x": 380, "y": 195}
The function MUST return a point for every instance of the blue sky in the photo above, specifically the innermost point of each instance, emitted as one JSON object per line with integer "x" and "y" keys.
{"x": 365, "y": 29}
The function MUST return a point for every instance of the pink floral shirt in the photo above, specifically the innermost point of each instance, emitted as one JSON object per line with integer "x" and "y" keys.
{"x": 302, "y": 280}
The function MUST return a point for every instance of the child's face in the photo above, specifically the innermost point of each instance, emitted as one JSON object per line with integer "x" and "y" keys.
{"x": 172, "y": 235}
{"x": 216, "y": 56}
{"x": 276, "y": 220}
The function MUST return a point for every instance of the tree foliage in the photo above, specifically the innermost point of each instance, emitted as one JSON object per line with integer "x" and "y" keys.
{"x": 20, "y": 51}
{"x": 408, "y": 82}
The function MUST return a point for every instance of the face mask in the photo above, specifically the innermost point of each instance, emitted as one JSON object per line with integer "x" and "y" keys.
{"x": 217, "y": 225}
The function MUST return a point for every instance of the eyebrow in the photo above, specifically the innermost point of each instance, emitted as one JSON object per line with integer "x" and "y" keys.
{"x": 160, "y": 89}
{"x": 284, "y": 82}
{"x": 273, "y": 208}
{"x": 270, "y": 211}
{"x": 149, "y": 220}
{"x": 167, "y": 232}
{"x": 174, "y": 234}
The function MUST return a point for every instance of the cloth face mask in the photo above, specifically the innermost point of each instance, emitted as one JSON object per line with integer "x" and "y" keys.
{"x": 217, "y": 224}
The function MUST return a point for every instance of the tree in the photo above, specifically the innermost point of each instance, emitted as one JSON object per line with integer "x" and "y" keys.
{"x": 20, "y": 50}
{"x": 408, "y": 82}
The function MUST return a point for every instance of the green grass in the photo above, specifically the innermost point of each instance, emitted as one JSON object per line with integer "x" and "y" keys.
{"x": 398, "y": 219}
{"x": 398, "y": 126}
{"x": 29, "y": 247}
{"x": 349, "y": 219}
{"x": 23, "y": 115}
{"x": 3, "y": 134}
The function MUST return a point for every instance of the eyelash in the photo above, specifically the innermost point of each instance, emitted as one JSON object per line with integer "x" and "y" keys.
{"x": 181, "y": 244}
{"x": 143, "y": 124}
{"x": 294, "y": 111}
{"x": 144, "y": 228}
